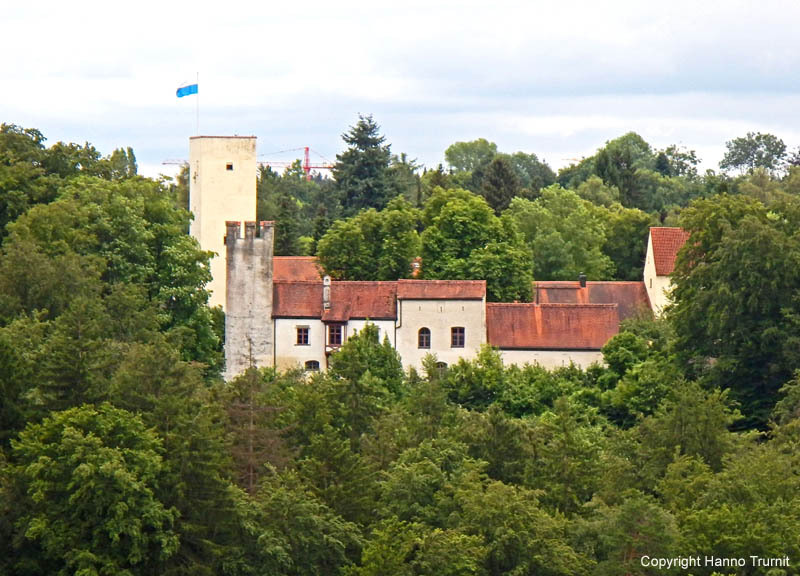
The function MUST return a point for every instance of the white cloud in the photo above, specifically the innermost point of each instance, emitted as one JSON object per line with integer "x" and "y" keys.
{"x": 555, "y": 78}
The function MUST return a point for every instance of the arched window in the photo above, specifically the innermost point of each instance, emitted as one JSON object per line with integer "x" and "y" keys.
{"x": 312, "y": 366}
{"x": 441, "y": 367}
{"x": 424, "y": 338}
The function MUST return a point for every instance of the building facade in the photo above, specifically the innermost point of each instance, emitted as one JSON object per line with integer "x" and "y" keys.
{"x": 281, "y": 311}
{"x": 663, "y": 245}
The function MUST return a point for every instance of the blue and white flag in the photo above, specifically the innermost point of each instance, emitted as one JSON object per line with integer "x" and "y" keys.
{"x": 186, "y": 90}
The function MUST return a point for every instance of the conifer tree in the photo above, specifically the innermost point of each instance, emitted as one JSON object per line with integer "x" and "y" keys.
{"x": 360, "y": 171}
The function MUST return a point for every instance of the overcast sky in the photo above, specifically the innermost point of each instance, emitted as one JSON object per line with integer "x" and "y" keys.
{"x": 554, "y": 78}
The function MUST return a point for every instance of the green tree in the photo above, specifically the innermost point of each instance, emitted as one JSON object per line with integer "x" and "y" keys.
{"x": 618, "y": 163}
{"x": 404, "y": 549}
{"x": 500, "y": 184}
{"x": 734, "y": 299}
{"x": 24, "y": 181}
{"x": 403, "y": 179}
{"x": 595, "y": 191}
{"x": 465, "y": 240}
{"x": 677, "y": 160}
{"x": 470, "y": 156}
{"x": 362, "y": 353}
{"x": 690, "y": 421}
{"x": 533, "y": 174}
{"x": 100, "y": 234}
{"x": 520, "y": 537}
{"x": 566, "y": 452}
{"x": 298, "y": 534}
{"x": 755, "y": 150}
{"x": 372, "y": 245}
{"x": 360, "y": 171}
{"x": 625, "y": 533}
{"x": 89, "y": 478}
{"x": 250, "y": 403}
{"x": 564, "y": 234}
{"x": 626, "y": 234}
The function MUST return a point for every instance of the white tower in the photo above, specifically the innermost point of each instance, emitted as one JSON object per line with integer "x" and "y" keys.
{"x": 222, "y": 186}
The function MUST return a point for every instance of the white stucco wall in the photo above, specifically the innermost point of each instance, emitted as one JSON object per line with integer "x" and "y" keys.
{"x": 288, "y": 354}
{"x": 551, "y": 359}
{"x": 439, "y": 316}
{"x": 217, "y": 194}
{"x": 658, "y": 287}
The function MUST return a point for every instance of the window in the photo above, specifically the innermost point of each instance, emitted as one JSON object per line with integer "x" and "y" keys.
{"x": 424, "y": 338}
{"x": 335, "y": 335}
{"x": 457, "y": 337}
{"x": 302, "y": 336}
{"x": 312, "y": 366}
{"x": 229, "y": 166}
{"x": 441, "y": 368}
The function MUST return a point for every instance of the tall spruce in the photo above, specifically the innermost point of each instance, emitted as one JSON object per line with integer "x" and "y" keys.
{"x": 360, "y": 171}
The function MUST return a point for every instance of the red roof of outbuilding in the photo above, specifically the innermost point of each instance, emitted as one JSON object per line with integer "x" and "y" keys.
{"x": 373, "y": 300}
{"x": 631, "y": 297}
{"x": 297, "y": 299}
{"x": 295, "y": 269}
{"x": 551, "y": 326}
{"x": 666, "y": 243}
{"x": 441, "y": 289}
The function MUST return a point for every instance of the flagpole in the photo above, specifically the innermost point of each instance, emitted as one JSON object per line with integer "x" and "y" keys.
{"x": 197, "y": 120}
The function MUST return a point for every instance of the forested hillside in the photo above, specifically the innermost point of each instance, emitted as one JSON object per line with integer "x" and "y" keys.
{"x": 122, "y": 451}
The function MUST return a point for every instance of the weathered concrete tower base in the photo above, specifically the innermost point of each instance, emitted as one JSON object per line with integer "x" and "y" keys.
{"x": 249, "y": 338}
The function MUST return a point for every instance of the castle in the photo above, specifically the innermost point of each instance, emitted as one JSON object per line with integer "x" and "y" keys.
{"x": 281, "y": 311}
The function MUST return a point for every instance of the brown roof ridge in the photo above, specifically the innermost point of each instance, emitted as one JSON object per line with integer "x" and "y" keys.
{"x": 286, "y": 281}
{"x": 577, "y": 305}
{"x": 439, "y": 280}
{"x": 295, "y": 257}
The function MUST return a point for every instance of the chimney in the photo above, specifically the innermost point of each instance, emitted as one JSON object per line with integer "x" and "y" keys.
{"x": 326, "y": 293}
{"x": 582, "y": 280}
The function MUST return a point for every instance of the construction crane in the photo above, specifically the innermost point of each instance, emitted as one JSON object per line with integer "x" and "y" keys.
{"x": 307, "y": 166}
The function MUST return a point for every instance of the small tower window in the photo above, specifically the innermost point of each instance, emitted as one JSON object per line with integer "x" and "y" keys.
{"x": 424, "y": 338}
{"x": 229, "y": 166}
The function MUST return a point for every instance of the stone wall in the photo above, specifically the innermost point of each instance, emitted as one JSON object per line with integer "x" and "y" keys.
{"x": 249, "y": 338}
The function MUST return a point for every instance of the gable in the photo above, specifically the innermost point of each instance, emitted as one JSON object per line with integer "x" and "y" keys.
{"x": 666, "y": 242}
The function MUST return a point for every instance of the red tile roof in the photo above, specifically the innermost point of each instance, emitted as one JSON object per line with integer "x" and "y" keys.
{"x": 373, "y": 300}
{"x": 441, "y": 289}
{"x": 666, "y": 243}
{"x": 297, "y": 299}
{"x": 551, "y": 326}
{"x": 631, "y": 297}
{"x": 295, "y": 269}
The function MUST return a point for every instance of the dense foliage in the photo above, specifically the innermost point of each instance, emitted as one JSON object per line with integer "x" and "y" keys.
{"x": 122, "y": 451}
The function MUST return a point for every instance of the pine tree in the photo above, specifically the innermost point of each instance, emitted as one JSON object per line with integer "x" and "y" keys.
{"x": 360, "y": 171}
